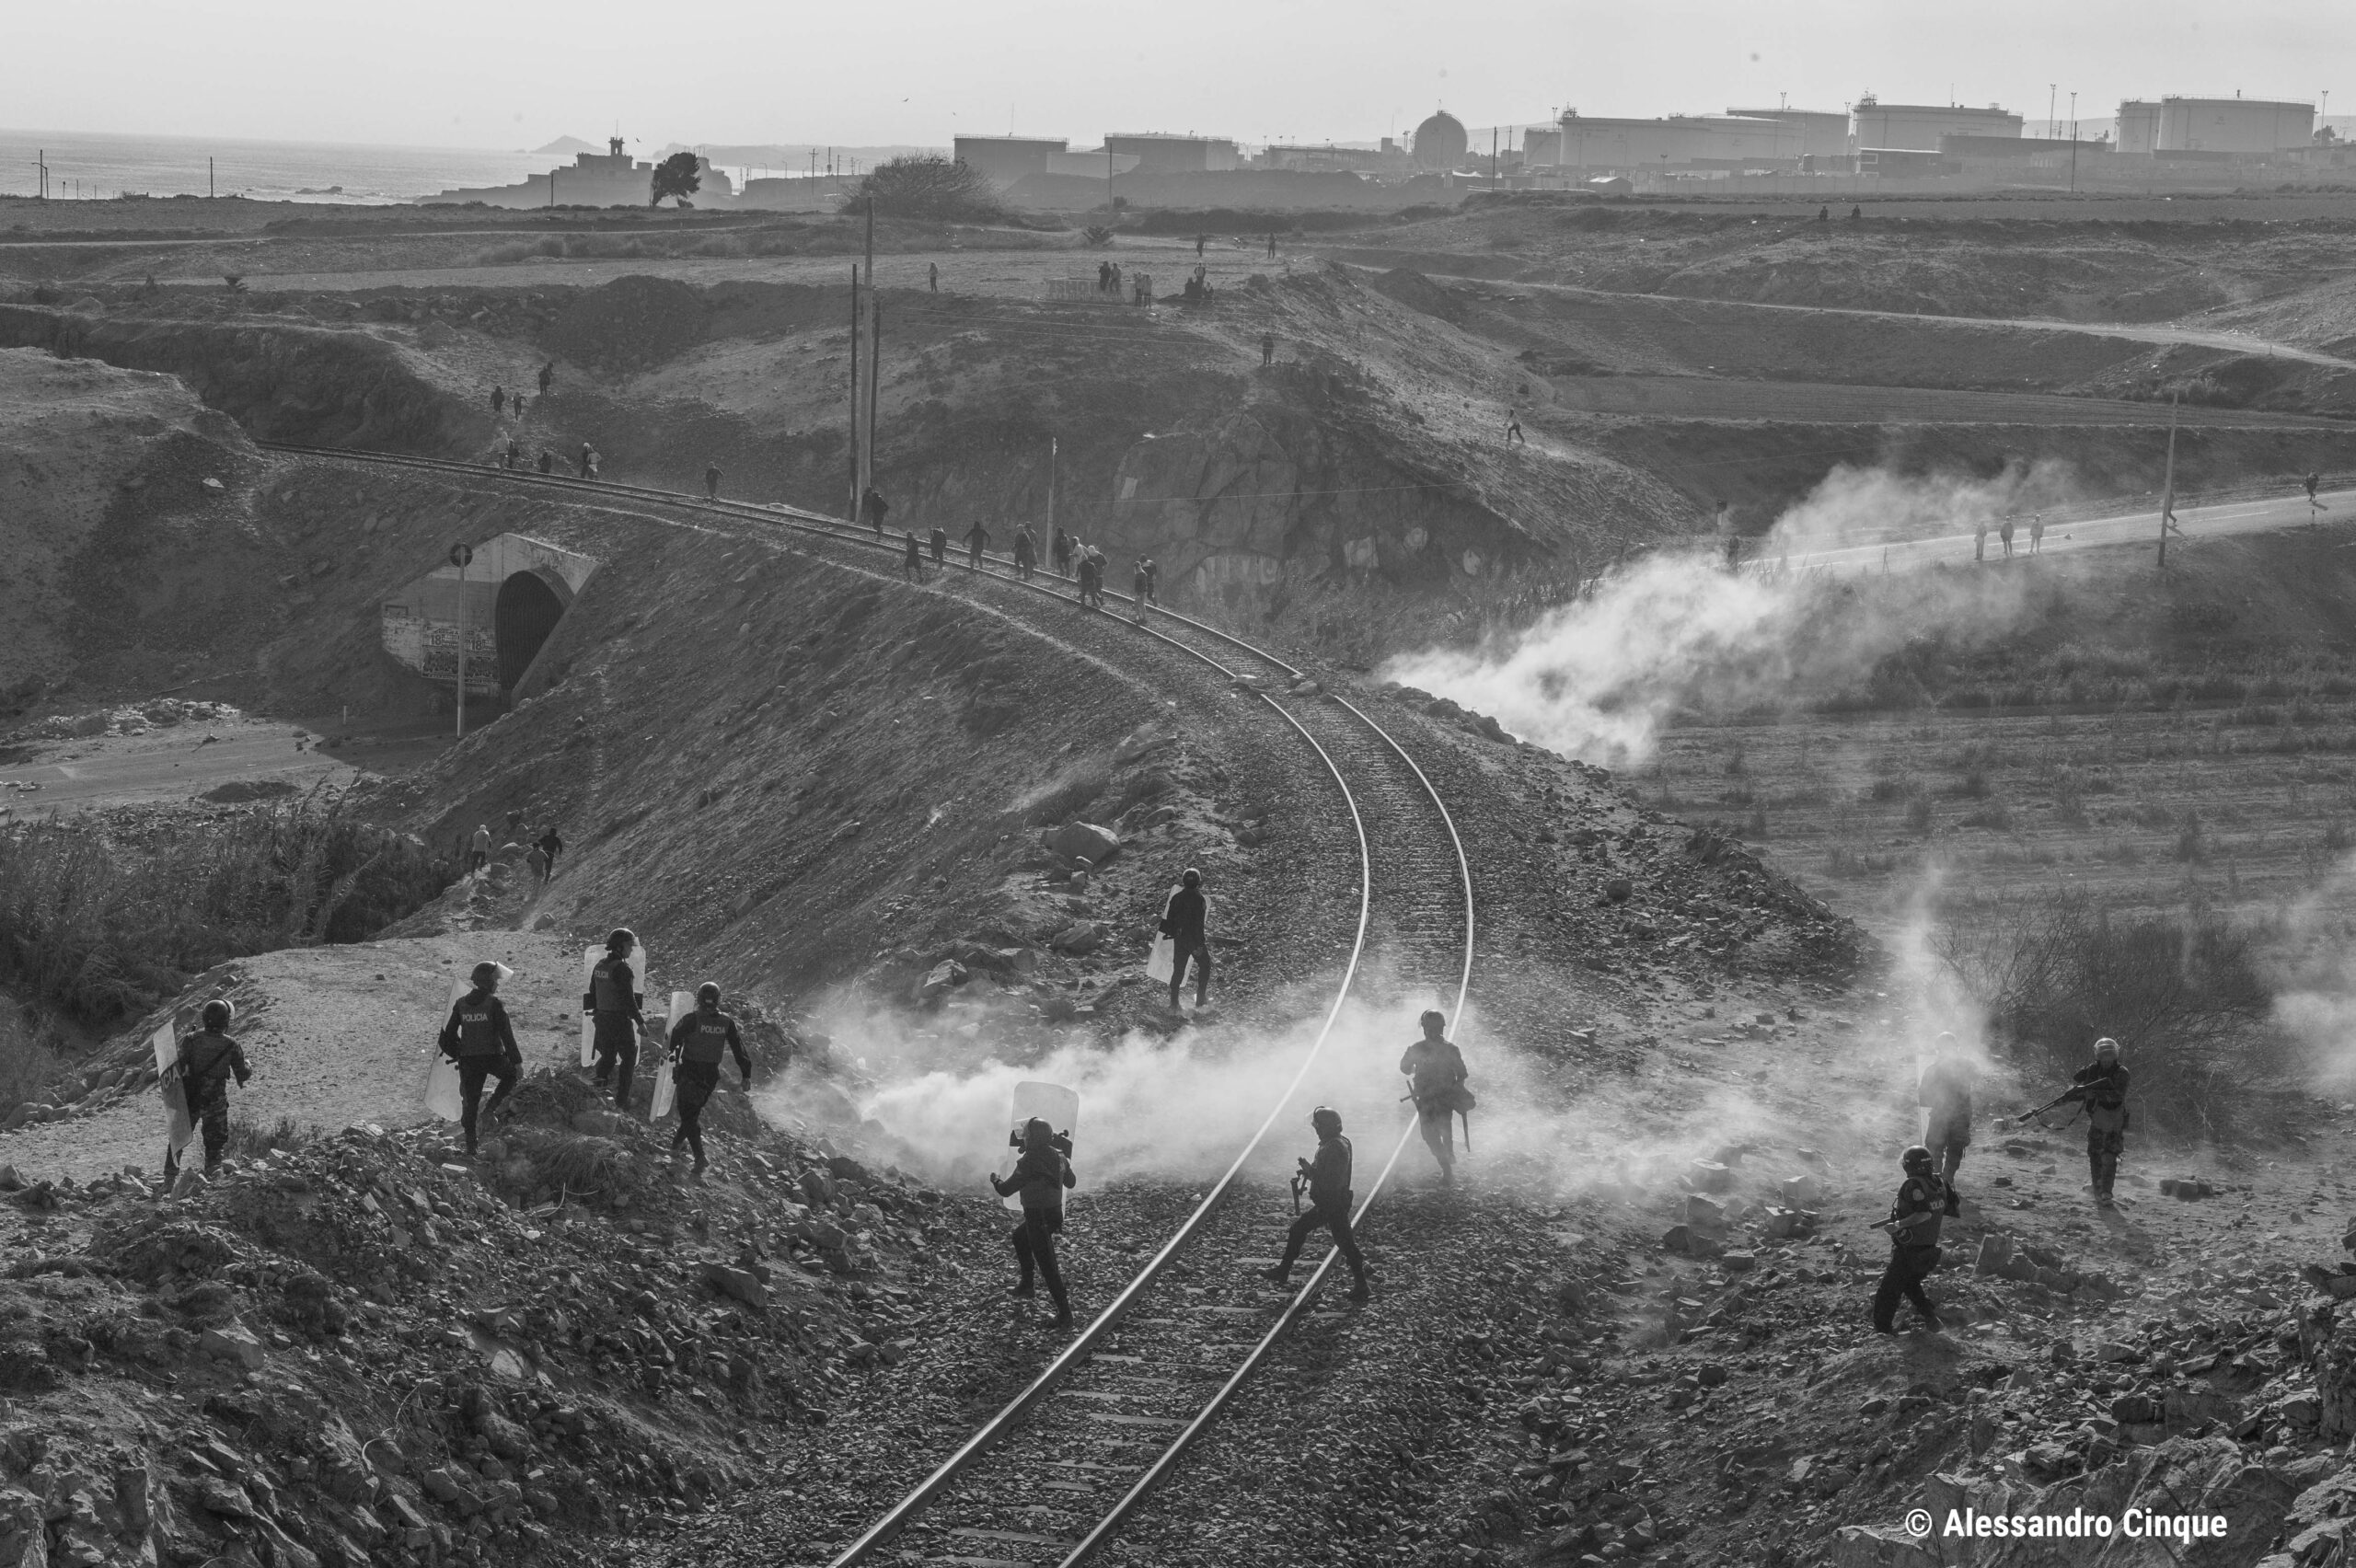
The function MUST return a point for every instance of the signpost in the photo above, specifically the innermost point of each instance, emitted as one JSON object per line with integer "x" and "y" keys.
{"x": 462, "y": 555}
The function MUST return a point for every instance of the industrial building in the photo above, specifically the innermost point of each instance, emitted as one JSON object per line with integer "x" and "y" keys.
{"x": 1159, "y": 154}
{"x": 1703, "y": 139}
{"x": 2248, "y": 127}
{"x": 1816, "y": 133}
{"x": 1006, "y": 159}
{"x": 1440, "y": 143}
{"x": 1917, "y": 127}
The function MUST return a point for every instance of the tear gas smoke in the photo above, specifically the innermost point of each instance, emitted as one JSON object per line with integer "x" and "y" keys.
{"x": 2314, "y": 978}
{"x": 1600, "y": 677}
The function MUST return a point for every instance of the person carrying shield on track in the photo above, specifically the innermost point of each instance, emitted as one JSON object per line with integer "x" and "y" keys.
{"x": 1040, "y": 1177}
{"x": 1185, "y": 917}
{"x": 697, "y": 1042}
{"x": 206, "y": 1062}
{"x": 620, "y": 1010}
{"x": 1435, "y": 1071}
{"x": 1327, "y": 1178}
{"x": 477, "y": 1036}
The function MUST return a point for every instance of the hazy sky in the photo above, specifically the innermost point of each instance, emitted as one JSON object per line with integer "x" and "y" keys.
{"x": 440, "y": 72}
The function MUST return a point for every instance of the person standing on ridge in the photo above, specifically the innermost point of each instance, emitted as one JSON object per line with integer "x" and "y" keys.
{"x": 711, "y": 481}
{"x": 1040, "y": 1177}
{"x": 551, "y": 845}
{"x": 1327, "y": 1178}
{"x": 477, "y": 1037}
{"x": 498, "y": 399}
{"x": 1026, "y": 552}
{"x": 932, "y": 275}
{"x": 1979, "y": 540}
{"x": 2004, "y": 535}
{"x": 697, "y": 1041}
{"x": 519, "y": 405}
{"x": 1435, "y": 1071}
{"x": 206, "y": 1061}
{"x": 977, "y": 539}
{"x": 479, "y": 848}
{"x": 1513, "y": 428}
{"x": 548, "y": 375}
{"x": 1267, "y": 349}
{"x": 2312, "y": 483}
{"x": 871, "y": 508}
{"x": 619, "y": 1012}
{"x": 2037, "y": 533}
{"x": 1944, "y": 1090}
{"x": 1923, "y": 1199}
{"x": 1185, "y": 921}
{"x": 938, "y": 541}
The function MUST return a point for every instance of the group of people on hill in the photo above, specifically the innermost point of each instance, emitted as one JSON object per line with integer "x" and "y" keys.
{"x": 1074, "y": 558}
{"x": 540, "y": 857}
{"x": 2005, "y": 529}
{"x": 507, "y": 451}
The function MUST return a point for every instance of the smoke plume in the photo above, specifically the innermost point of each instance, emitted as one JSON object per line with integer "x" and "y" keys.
{"x": 1600, "y": 677}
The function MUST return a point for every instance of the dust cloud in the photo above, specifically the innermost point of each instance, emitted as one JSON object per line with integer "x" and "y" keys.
{"x": 1599, "y": 678}
{"x": 2313, "y": 974}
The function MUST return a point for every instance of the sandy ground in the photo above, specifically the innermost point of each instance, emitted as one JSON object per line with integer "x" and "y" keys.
{"x": 337, "y": 1035}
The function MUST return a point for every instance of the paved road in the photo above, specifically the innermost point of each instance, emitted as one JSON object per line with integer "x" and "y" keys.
{"x": 1814, "y": 402}
{"x": 2221, "y": 521}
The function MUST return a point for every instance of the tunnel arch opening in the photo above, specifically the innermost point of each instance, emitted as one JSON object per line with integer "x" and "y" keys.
{"x": 530, "y": 603}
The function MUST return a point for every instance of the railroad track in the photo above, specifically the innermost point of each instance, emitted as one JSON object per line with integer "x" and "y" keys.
{"x": 1150, "y": 1373}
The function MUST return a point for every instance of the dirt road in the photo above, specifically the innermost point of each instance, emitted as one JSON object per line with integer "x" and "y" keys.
{"x": 174, "y": 764}
{"x": 336, "y": 1035}
{"x": 2139, "y": 527}
{"x": 2131, "y": 331}
{"x": 1700, "y": 397}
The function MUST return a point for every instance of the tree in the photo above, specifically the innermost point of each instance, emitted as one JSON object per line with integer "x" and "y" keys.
{"x": 676, "y": 176}
{"x": 929, "y": 187}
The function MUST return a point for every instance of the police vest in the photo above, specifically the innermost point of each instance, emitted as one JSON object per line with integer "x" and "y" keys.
{"x": 478, "y": 1029}
{"x": 707, "y": 1041}
{"x": 614, "y": 995}
{"x": 1921, "y": 1194}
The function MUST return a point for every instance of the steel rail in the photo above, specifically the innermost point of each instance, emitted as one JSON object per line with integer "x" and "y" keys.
{"x": 986, "y": 1437}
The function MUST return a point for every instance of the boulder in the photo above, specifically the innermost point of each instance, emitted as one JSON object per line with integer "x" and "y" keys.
{"x": 1802, "y": 1191}
{"x": 740, "y": 1284}
{"x": 235, "y": 1341}
{"x": 1709, "y": 1176}
{"x": 1143, "y": 742}
{"x": 1079, "y": 938}
{"x": 1083, "y": 841}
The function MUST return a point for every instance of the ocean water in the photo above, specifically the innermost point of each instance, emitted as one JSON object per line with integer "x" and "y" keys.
{"x": 106, "y": 166}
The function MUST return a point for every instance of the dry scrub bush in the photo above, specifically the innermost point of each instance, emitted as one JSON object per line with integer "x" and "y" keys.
{"x": 2182, "y": 993}
{"x": 101, "y": 930}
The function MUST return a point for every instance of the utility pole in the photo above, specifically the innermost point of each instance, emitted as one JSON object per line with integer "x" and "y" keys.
{"x": 854, "y": 393}
{"x": 874, "y": 366}
{"x": 2167, "y": 486}
{"x": 208, "y": 179}
{"x": 867, "y": 442}
{"x": 2051, "y": 88}
{"x": 462, "y": 557}
{"x": 1051, "y": 487}
{"x": 2073, "y": 143}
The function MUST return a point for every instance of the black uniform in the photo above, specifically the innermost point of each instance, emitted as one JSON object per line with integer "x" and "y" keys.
{"x": 697, "y": 1041}
{"x": 1026, "y": 554}
{"x": 2103, "y": 1091}
{"x": 207, "y": 1060}
{"x": 977, "y": 539}
{"x": 477, "y": 1037}
{"x": 1183, "y": 921}
{"x": 1040, "y": 1176}
{"x": 1913, "y": 1253}
{"x": 1435, "y": 1071}
{"x": 1329, "y": 1208}
{"x": 549, "y": 845}
{"x": 619, "y": 1010}
{"x": 940, "y": 546}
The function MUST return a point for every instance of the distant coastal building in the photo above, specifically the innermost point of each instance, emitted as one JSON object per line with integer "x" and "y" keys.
{"x": 1007, "y": 159}
{"x": 610, "y": 179}
{"x": 2257, "y": 127}
{"x": 1158, "y": 152}
{"x": 1917, "y": 127}
{"x": 1689, "y": 141}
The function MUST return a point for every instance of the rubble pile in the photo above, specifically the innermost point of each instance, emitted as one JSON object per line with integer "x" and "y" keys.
{"x": 359, "y": 1350}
